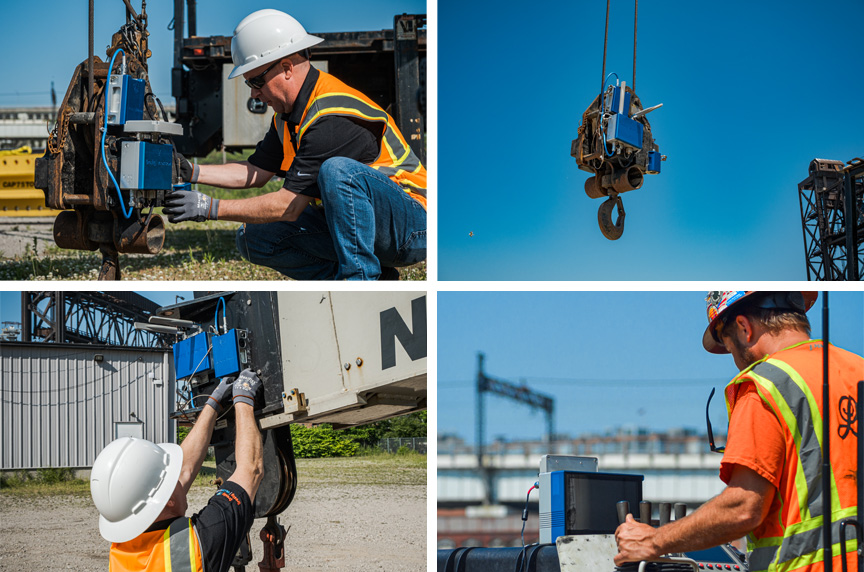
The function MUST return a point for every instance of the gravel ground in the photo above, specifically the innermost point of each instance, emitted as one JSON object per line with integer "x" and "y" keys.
{"x": 333, "y": 527}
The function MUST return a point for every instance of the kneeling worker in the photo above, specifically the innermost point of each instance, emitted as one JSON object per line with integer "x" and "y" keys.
{"x": 772, "y": 465}
{"x": 140, "y": 491}
{"x": 353, "y": 205}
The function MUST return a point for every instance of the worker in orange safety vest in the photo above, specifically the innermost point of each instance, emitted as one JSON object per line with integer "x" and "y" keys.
{"x": 772, "y": 464}
{"x": 353, "y": 202}
{"x": 140, "y": 490}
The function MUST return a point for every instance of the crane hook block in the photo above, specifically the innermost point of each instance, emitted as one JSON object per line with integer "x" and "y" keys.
{"x": 611, "y": 230}
{"x": 615, "y": 145}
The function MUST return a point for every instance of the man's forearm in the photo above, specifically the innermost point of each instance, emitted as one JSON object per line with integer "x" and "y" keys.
{"x": 722, "y": 519}
{"x": 240, "y": 175}
{"x": 195, "y": 446}
{"x": 271, "y": 207}
{"x": 248, "y": 450}
{"x": 738, "y": 510}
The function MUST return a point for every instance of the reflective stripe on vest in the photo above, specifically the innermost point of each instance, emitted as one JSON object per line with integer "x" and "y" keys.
{"x": 175, "y": 549}
{"x": 395, "y": 158}
{"x": 801, "y": 548}
{"x": 180, "y": 545}
{"x": 801, "y": 543}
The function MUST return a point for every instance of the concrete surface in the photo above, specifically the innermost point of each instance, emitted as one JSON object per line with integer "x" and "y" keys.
{"x": 17, "y": 234}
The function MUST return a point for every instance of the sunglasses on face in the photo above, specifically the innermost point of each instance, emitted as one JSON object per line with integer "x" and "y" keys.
{"x": 258, "y": 81}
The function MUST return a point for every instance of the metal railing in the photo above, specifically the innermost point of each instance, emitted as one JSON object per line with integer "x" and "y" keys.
{"x": 393, "y": 444}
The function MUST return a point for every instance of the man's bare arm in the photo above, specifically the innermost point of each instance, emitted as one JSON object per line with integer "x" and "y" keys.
{"x": 195, "y": 446}
{"x": 248, "y": 451}
{"x": 279, "y": 205}
{"x": 240, "y": 175}
{"x": 739, "y": 509}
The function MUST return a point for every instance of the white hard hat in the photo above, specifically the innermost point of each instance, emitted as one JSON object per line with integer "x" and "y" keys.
{"x": 131, "y": 482}
{"x": 265, "y": 36}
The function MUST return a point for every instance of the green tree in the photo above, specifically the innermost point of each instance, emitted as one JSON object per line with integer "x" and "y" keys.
{"x": 321, "y": 441}
{"x": 411, "y": 425}
{"x": 181, "y": 433}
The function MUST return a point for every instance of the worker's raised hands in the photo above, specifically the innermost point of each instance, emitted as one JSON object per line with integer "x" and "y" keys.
{"x": 190, "y": 205}
{"x": 218, "y": 395}
{"x": 246, "y": 386}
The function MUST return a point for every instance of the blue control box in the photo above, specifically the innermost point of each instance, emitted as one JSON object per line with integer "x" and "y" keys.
{"x": 191, "y": 356}
{"x": 145, "y": 166}
{"x": 125, "y": 99}
{"x": 616, "y": 102}
{"x": 624, "y": 131}
{"x": 654, "y": 159}
{"x": 226, "y": 354}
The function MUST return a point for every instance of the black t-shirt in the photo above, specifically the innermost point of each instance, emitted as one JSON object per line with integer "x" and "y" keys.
{"x": 222, "y": 525}
{"x": 329, "y": 136}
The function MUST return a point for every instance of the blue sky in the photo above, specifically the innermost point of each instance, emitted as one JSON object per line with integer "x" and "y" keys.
{"x": 50, "y": 39}
{"x": 609, "y": 358}
{"x": 752, "y": 92}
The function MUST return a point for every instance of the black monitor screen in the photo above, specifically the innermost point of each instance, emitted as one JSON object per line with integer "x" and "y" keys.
{"x": 591, "y": 498}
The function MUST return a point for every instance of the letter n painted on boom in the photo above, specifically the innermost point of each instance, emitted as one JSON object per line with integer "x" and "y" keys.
{"x": 393, "y": 327}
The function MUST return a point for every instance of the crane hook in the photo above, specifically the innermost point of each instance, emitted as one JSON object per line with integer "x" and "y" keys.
{"x": 611, "y": 230}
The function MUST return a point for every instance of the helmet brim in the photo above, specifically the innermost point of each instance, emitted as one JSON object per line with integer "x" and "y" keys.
{"x": 304, "y": 44}
{"x": 135, "y": 524}
{"x": 713, "y": 346}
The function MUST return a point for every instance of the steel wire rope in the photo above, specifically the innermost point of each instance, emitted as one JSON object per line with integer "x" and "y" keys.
{"x": 635, "y": 24}
{"x": 605, "y": 43}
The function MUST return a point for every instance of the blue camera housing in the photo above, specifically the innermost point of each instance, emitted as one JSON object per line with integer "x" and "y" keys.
{"x": 191, "y": 356}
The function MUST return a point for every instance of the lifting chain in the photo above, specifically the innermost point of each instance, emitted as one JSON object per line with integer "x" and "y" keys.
{"x": 57, "y": 139}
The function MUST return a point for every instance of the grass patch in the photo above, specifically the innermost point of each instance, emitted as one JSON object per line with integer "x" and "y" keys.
{"x": 43, "y": 482}
{"x": 364, "y": 470}
{"x": 193, "y": 251}
{"x": 370, "y": 469}
{"x": 384, "y": 469}
{"x": 206, "y": 475}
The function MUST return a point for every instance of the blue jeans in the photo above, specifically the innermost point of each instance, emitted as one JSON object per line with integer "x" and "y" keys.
{"x": 367, "y": 222}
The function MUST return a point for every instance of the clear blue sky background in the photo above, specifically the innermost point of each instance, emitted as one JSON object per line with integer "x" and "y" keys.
{"x": 44, "y": 42}
{"x": 752, "y": 92}
{"x": 10, "y": 302}
{"x": 608, "y": 358}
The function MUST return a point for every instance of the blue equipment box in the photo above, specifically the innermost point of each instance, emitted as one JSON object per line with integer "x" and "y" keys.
{"x": 616, "y": 102}
{"x": 625, "y": 131}
{"x": 654, "y": 159}
{"x": 192, "y": 356}
{"x": 226, "y": 354}
{"x": 125, "y": 99}
{"x": 576, "y": 502}
{"x": 145, "y": 166}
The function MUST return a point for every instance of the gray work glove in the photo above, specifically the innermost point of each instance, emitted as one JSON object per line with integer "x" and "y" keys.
{"x": 224, "y": 387}
{"x": 187, "y": 171}
{"x": 190, "y": 205}
{"x": 245, "y": 388}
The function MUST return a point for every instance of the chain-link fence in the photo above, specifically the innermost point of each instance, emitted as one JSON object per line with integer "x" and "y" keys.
{"x": 393, "y": 444}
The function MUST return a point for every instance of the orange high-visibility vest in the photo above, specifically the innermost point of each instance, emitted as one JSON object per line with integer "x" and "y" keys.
{"x": 790, "y": 384}
{"x": 175, "y": 549}
{"x": 395, "y": 158}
